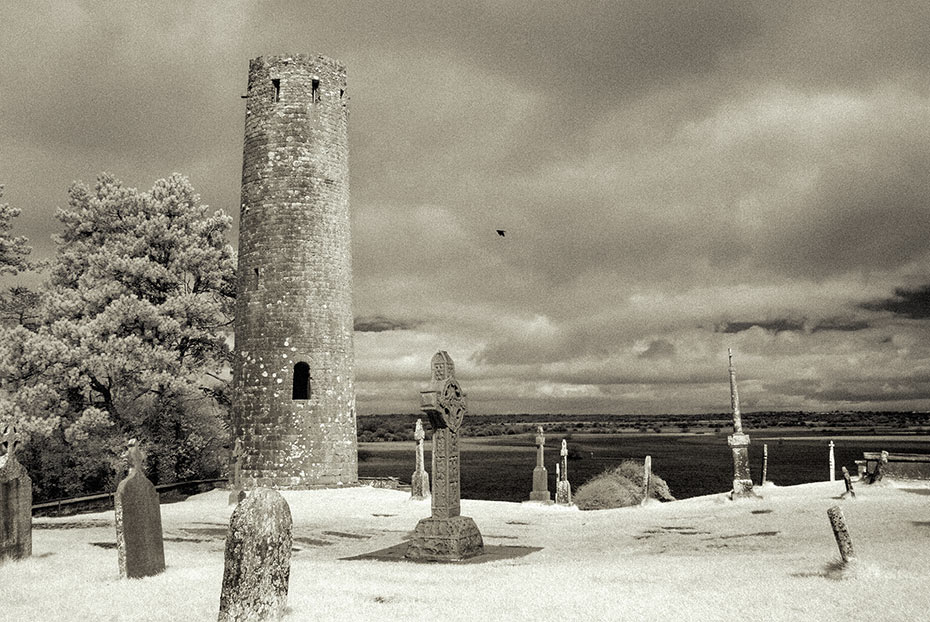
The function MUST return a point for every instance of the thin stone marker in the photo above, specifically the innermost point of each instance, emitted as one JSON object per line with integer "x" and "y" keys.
{"x": 647, "y": 478}
{"x": 765, "y": 462}
{"x": 563, "y": 489}
{"x": 849, "y": 486}
{"x": 841, "y": 533}
{"x": 832, "y": 464}
{"x": 419, "y": 481}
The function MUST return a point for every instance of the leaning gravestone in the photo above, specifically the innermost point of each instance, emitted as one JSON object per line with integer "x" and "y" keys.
{"x": 419, "y": 481}
{"x": 849, "y": 485}
{"x": 540, "y": 490}
{"x": 841, "y": 533}
{"x": 138, "y": 522}
{"x": 15, "y": 501}
{"x": 258, "y": 559}
{"x": 446, "y": 535}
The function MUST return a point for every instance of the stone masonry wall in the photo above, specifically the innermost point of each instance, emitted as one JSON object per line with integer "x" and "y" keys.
{"x": 294, "y": 296}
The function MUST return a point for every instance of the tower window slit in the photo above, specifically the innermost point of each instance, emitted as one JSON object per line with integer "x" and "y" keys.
{"x": 301, "y": 382}
{"x": 276, "y": 83}
{"x": 315, "y": 88}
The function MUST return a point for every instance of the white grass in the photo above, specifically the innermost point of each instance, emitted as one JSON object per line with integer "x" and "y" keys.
{"x": 703, "y": 558}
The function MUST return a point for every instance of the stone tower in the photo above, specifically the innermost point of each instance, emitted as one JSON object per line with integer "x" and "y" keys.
{"x": 293, "y": 372}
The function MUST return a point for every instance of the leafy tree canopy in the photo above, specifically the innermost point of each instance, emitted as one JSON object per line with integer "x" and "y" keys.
{"x": 132, "y": 323}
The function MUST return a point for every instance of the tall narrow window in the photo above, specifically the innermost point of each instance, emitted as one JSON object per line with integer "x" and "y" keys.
{"x": 315, "y": 85}
{"x": 255, "y": 281}
{"x": 276, "y": 83}
{"x": 301, "y": 381}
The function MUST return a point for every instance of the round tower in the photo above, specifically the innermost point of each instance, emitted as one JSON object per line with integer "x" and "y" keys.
{"x": 293, "y": 370}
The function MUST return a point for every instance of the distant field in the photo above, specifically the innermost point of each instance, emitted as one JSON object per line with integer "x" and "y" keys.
{"x": 500, "y": 468}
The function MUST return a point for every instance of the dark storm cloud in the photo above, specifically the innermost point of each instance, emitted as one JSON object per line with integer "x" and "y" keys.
{"x": 909, "y": 303}
{"x": 658, "y": 166}
{"x": 379, "y": 323}
{"x": 836, "y": 44}
{"x": 867, "y": 214}
{"x": 841, "y": 325}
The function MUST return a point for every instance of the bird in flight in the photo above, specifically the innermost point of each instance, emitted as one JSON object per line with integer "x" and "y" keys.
{"x": 501, "y": 232}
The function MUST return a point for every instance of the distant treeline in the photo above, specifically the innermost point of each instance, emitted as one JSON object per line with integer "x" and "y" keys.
{"x": 399, "y": 427}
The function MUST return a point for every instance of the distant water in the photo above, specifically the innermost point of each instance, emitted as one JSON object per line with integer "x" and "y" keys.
{"x": 501, "y": 469}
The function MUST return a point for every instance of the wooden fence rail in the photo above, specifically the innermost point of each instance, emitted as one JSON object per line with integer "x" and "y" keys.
{"x": 59, "y": 503}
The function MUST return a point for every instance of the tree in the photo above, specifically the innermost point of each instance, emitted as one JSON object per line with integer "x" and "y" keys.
{"x": 131, "y": 338}
{"x": 13, "y": 250}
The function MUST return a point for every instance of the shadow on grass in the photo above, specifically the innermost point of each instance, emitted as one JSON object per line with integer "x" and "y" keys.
{"x": 104, "y": 545}
{"x": 837, "y": 570}
{"x": 491, "y": 553}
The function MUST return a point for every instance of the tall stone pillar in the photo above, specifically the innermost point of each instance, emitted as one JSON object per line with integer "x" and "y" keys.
{"x": 540, "y": 490}
{"x": 446, "y": 535}
{"x": 832, "y": 464}
{"x": 739, "y": 443}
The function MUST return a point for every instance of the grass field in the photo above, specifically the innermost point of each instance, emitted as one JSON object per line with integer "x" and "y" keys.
{"x": 700, "y": 559}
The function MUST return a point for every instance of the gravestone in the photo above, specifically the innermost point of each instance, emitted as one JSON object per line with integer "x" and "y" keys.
{"x": 832, "y": 464}
{"x": 841, "y": 533}
{"x": 540, "y": 490}
{"x": 236, "y": 493}
{"x": 15, "y": 501}
{"x": 446, "y": 535}
{"x": 877, "y": 474}
{"x": 563, "y": 490}
{"x": 647, "y": 479}
{"x": 849, "y": 485}
{"x": 419, "y": 481}
{"x": 739, "y": 443}
{"x": 139, "y": 542}
{"x": 257, "y": 559}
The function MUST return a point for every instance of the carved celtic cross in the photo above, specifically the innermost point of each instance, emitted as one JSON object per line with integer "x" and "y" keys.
{"x": 444, "y": 403}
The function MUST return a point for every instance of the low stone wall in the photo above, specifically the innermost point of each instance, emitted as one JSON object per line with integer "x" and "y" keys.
{"x": 380, "y": 482}
{"x": 899, "y": 466}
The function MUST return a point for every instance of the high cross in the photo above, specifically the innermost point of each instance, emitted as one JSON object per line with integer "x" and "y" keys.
{"x": 445, "y": 405}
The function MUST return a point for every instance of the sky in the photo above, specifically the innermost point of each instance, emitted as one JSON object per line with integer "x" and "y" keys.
{"x": 674, "y": 179}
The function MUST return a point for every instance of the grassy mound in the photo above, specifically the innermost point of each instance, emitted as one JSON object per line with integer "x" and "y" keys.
{"x": 620, "y": 487}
